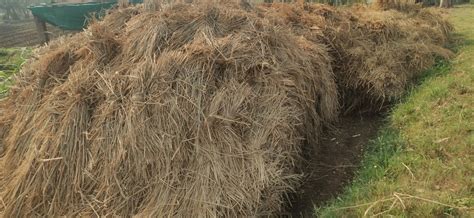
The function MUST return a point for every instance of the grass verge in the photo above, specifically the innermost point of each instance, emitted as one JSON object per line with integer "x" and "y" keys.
{"x": 11, "y": 60}
{"x": 422, "y": 163}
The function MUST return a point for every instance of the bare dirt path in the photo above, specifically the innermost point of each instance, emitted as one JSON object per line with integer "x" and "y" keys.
{"x": 336, "y": 163}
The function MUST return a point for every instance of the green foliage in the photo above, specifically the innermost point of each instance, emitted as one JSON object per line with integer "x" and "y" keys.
{"x": 11, "y": 61}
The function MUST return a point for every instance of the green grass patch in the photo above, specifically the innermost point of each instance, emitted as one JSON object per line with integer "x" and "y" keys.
{"x": 421, "y": 165}
{"x": 11, "y": 60}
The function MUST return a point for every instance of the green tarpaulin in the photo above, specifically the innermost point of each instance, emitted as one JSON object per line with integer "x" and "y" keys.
{"x": 71, "y": 16}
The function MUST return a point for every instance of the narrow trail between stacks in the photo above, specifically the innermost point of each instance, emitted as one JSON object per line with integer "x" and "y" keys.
{"x": 337, "y": 163}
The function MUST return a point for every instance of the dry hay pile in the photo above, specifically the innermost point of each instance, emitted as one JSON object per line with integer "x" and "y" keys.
{"x": 399, "y": 5}
{"x": 195, "y": 110}
{"x": 376, "y": 54}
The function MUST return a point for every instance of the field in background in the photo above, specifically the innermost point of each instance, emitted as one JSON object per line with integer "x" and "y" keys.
{"x": 421, "y": 164}
{"x": 23, "y": 33}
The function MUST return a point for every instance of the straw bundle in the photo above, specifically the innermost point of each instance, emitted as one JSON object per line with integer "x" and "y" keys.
{"x": 196, "y": 110}
{"x": 376, "y": 54}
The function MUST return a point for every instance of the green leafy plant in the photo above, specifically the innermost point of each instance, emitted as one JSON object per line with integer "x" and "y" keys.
{"x": 11, "y": 61}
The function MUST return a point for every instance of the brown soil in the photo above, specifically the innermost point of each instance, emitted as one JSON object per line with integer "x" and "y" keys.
{"x": 23, "y": 33}
{"x": 337, "y": 163}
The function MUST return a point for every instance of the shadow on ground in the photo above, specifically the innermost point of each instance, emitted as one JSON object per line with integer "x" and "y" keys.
{"x": 336, "y": 164}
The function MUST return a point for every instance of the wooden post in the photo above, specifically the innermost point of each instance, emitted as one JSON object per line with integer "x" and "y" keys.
{"x": 42, "y": 30}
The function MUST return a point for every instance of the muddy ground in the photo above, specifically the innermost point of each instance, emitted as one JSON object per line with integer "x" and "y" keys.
{"x": 336, "y": 163}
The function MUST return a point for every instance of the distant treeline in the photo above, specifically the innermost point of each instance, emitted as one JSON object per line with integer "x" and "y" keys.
{"x": 17, "y": 9}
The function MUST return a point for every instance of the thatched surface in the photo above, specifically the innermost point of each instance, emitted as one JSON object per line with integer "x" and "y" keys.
{"x": 195, "y": 110}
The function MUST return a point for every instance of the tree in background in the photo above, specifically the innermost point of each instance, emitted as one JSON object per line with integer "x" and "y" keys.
{"x": 17, "y": 9}
{"x": 12, "y": 8}
{"x": 446, "y": 3}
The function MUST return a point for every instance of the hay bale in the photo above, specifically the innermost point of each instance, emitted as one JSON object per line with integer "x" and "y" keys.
{"x": 197, "y": 110}
{"x": 375, "y": 54}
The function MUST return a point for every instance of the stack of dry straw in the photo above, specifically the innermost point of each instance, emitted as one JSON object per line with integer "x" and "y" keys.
{"x": 196, "y": 109}
{"x": 375, "y": 54}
